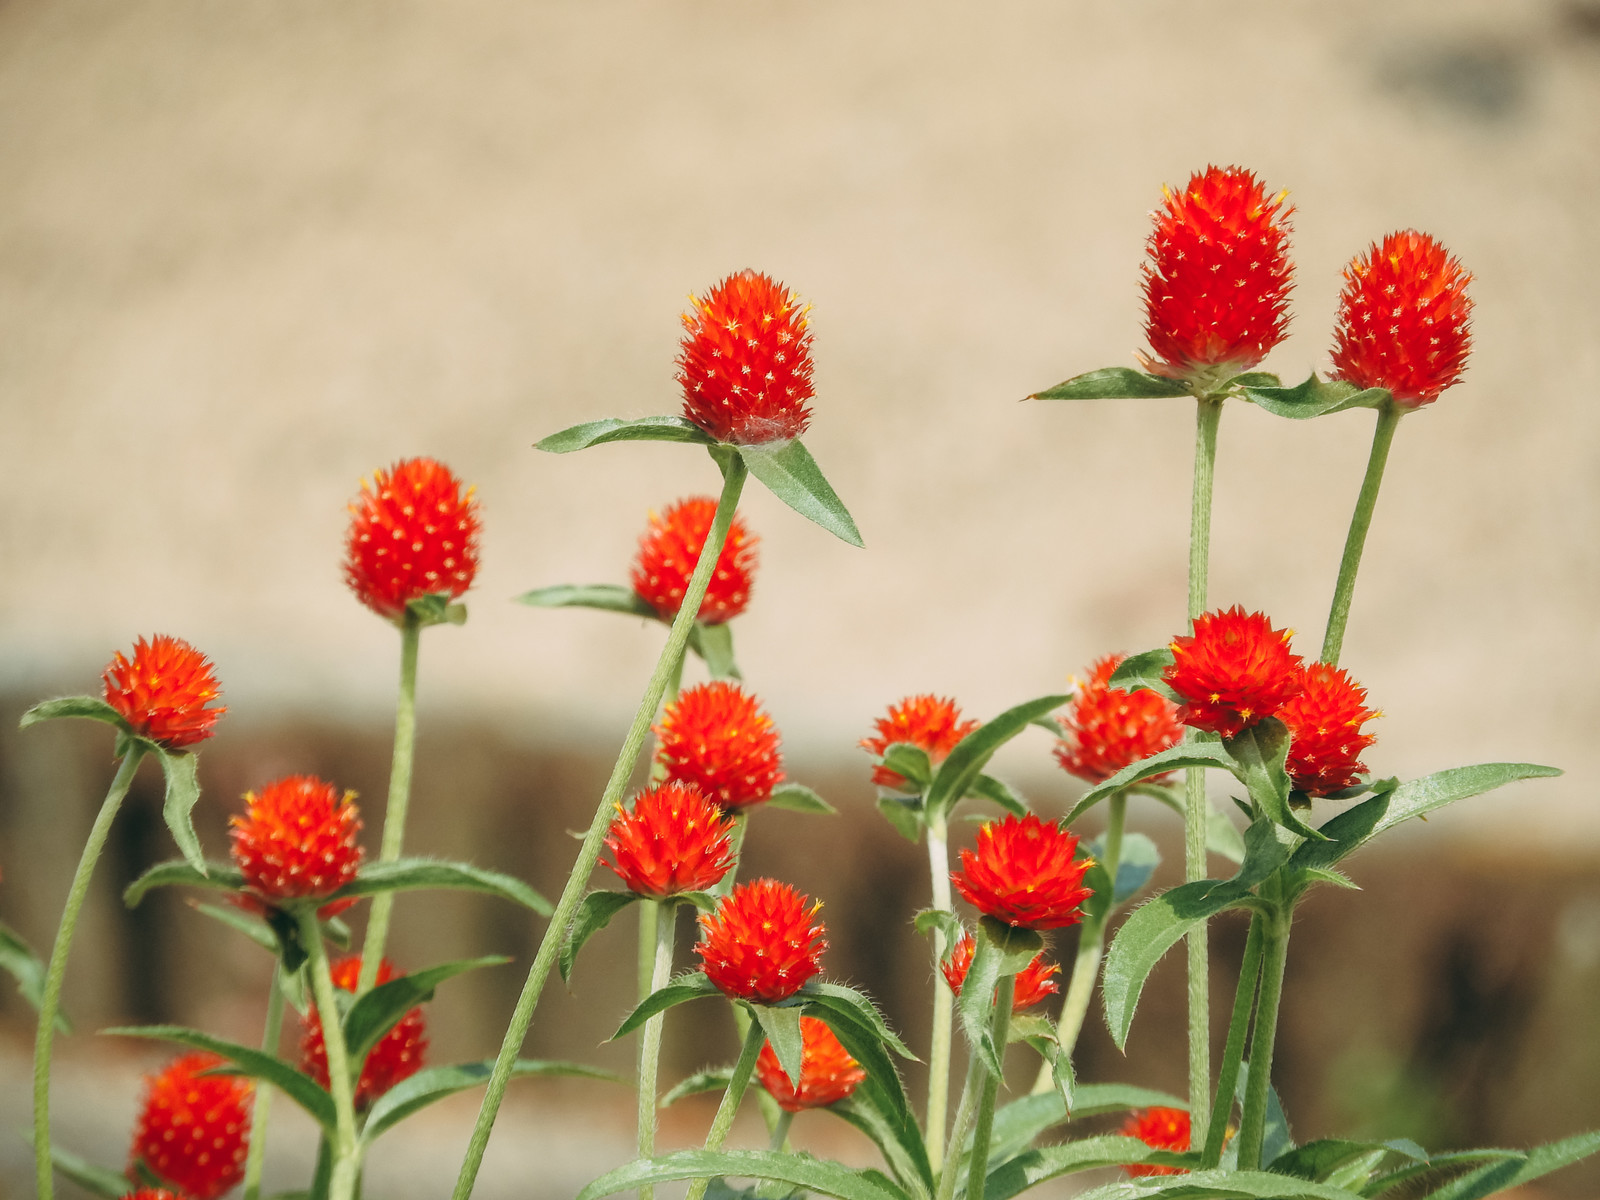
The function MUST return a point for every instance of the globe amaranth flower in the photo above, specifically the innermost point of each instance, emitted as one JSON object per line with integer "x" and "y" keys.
{"x": 932, "y": 722}
{"x": 298, "y": 839}
{"x": 671, "y": 547}
{"x": 1109, "y": 728}
{"x": 1023, "y": 874}
{"x": 1234, "y": 670}
{"x": 398, "y": 1054}
{"x": 163, "y": 691}
{"x": 1034, "y": 982}
{"x": 827, "y": 1072}
{"x": 745, "y": 364}
{"x": 1216, "y": 283}
{"x": 673, "y": 840}
{"x": 193, "y": 1129}
{"x": 762, "y": 943}
{"x": 716, "y": 737}
{"x": 413, "y": 533}
{"x": 1404, "y": 319}
{"x": 152, "y": 1193}
{"x": 1161, "y": 1129}
{"x": 1324, "y": 723}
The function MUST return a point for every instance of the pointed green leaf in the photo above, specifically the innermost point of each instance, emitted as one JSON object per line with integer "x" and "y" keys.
{"x": 782, "y": 1027}
{"x": 1435, "y": 1164}
{"x": 1314, "y": 398}
{"x": 999, "y": 793}
{"x": 1033, "y": 1167}
{"x": 910, "y": 762}
{"x": 1221, "y": 1184}
{"x": 608, "y": 597}
{"x": 793, "y": 476}
{"x": 248, "y": 923}
{"x": 435, "y": 608}
{"x": 799, "y": 1170}
{"x": 680, "y": 990}
{"x": 614, "y": 429}
{"x": 1502, "y": 1176}
{"x": 796, "y": 797}
{"x": 1252, "y": 379}
{"x": 91, "y": 707}
{"x": 1017, "y": 1124}
{"x": 218, "y": 876}
{"x": 836, "y": 997}
{"x": 1113, "y": 383}
{"x": 1260, "y": 752}
{"x": 183, "y": 790}
{"x": 902, "y": 1149}
{"x": 376, "y": 1012}
{"x": 89, "y": 1177}
{"x": 931, "y": 919}
{"x": 594, "y": 913}
{"x": 1320, "y": 1159}
{"x": 19, "y": 961}
{"x": 714, "y": 645}
{"x": 714, "y": 1080}
{"x": 904, "y": 815}
{"x": 410, "y": 874}
{"x": 1146, "y": 672}
{"x": 963, "y": 765}
{"x": 999, "y": 950}
{"x": 1185, "y": 754}
{"x": 435, "y": 1083}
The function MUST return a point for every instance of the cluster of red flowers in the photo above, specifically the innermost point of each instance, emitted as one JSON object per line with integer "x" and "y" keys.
{"x": 193, "y": 1129}
{"x": 413, "y": 533}
{"x": 1034, "y": 983}
{"x": 671, "y": 547}
{"x": 716, "y": 737}
{"x": 163, "y": 691}
{"x": 827, "y": 1072}
{"x": 1109, "y": 728}
{"x": 932, "y": 723}
{"x": 1024, "y": 873}
{"x": 398, "y": 1054}
{"x": 673, "y": 840}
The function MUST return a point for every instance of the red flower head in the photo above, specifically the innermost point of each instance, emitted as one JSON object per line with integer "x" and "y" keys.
{"x": 163, "y": 691}
{"x": 1024, "y": 874}
{"x": 1217, "y": 280}
{"x": 1109, "y": 728}
{"x": 670, "y": 549}
{"x": 745, "y": 365}
{"x": 931, "y": 722}
{"x": 193, "y": 1130}
{"x": 1160, "y": 1129}
{"x": 1324, "y": 723}
{"x": 413, "y": 533}
{"x": 1235, "y": 670}
{"x": 716, "y": 737}
{"x": 827, "y": 1072}
{"x": 398, "y": 1054}
{"x": 762, "y": 944}
{"x": 1034, "y": 982}
{"x": 150, "y": 1193}
{"x": 298, "y": 839}
{"x": 1404, "y": 319}
{"x": 674, "y": 840}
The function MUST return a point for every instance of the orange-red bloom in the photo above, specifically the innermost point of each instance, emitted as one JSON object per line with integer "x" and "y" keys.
{"x": 716, "y": 737}
{"x": 1161, "y": 1129}
{"x": 745, "y": 365}
{"x": 1404, "y": 319}
{"x": 162, "y": 692}
{"x": 1217, "y": 280}
{"x": 931, "y": 722}
{"x": 1024, "y": 874}
{"x": 398, "y": 1054}
{"x": 762, "y": 943}
{"x": 152, "y": 1193}
{"x": 671, "y": 547}
{"x": 1324, "y": 723}
{"x": 297, "y": 839}
{"x": 413, "y": 533}
{"x": 1234, "y": 670}
{"x": 827, "y": 1072}
{"x": 1109, "y": 728}
{"x": 673, "y": 840}
{"x": 193, "y": 1129}
{"x": 1034, "y": 982}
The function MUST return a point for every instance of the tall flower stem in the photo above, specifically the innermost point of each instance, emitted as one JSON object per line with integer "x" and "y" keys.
{"x": 544, "y": 959}
{"x": 978, "y": 1167}
{"x": 1233, "y": 1052}
{"x": 341, "y": 1185}
{"x": 943, "y": 1001}
{"x": 263, "y": 1098}
{"x": 780, "y": 1132}
{"x": 50, "y": 1001}
{"x": 394, "y": 813}
{"x": 650, "y": 1036}
{"x": 1275, "y": 955}
{"x": 729, "y": 1108}
{"x": 963, "y": 1123}
{"x": 1360, "y": 520}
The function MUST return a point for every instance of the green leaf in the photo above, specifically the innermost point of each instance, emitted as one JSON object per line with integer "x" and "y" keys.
{"x": 1252, "y": 379}
{"x": 614, "y": 429}
{"x": 90, "y": 707}
{"x": 903, "y": 1150}
{"x": 930, "y": 919}
{"x": 680, "y": 990}
{"x": 26, "y": 967}
{"x": 1185, "y": 754}
{"x": 909, "y": 761}
{"x": 1434, "y": 1164}
{"x": 219, "y": 876}
{"x": 410, "y": 874}
{"x": 782, "y": 1027}
{"x": 1276, "y": 1140}
{"x": 183, "y": 790}
{"x": 714, "y": 1080}
{"x": 961, "y": 768}
{"x": 1135, "y": 866}
{"x": 714, "y": 645}
{"x": 1314, "y": 398}
{"x": 1000, "y": 793}
{"x": 435, "y": 608}
{"x": 1113, "y": 383}
{"x": 240, "y": 921}
{"x": 1220, "y": 1184}
{"x": 1016, "y": 1124}
{"x": 435, "y": 1083}
{"x": 796, "y": 797}
{"x": 1260, "y": 752}
{"x": 798, "y": 1170}
{"x": 609, "y": 597}
{"x": 904, "y": 815}
{"x": 1502, "y": 1176}
{"x": 376, "y": 1012}
{"x": 1033, "y": 1167}
{"x": 836, "y": 997}
{"x": 88, "y": 1176}
{"x": 1145, "y": 672}
{"x": 1321, "y": 1158}
{"x": 594, "y": 913}
{"x": 999, "y": 950}
{"x": 791, "y": 474}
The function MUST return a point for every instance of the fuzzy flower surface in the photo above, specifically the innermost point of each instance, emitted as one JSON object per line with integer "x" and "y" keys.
{"x": 1216, "y": 282}
{"x": 716, "y": 737}
{"x": 163, "y": 691}
{"x": 398, "y": 1054}
{"x": 1109, "y": 728}
{"x": 673, "y": 840}
{"x": 1234, "y": 670}
{"x": 193, "y": 1129}
{"x": 1404, "y": 319}
{"x": 1324, "y": 723}
{"x": 745, "y": 362}
{"x": 297, "y": 839}
{"x": 1160, "y": 1129}
{"x": 827, "y": 1072}
{"x": 932, "y": 722}
{"x": 1034, "y": 983}
{"x": 671, "y": 547}
{"x": 763, "y": 942}
{"x": 1023, "y": 874}
{"x": 413, "y": 532}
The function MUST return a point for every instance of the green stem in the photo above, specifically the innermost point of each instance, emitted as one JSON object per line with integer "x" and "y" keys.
{"x": 1252, "y": 1125}
{"x": 649, "y": 919}
{"x": 1233, "y": 1053}
{"x": 726, "y": 1111}
{"x": 341, "y": 1185}
{"x": 544, "y": 959}
{"x": 780, "y": 1132}
{"x": 962, "y": 1124}
{"x": 978, "y": 1167}
{"x": 394, "y": 813}
{"x": 650, "y": 1038}
{"x": 658, "y": 767}
{"x": 50, "y": 1002}
{"x": 263, "y": 1099}
{"x": 943, "y": 1001}
{"x": 1360, "y": 520}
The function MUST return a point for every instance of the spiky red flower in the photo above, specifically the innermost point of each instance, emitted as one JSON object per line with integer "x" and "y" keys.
{"x": 398, "y": 1054}
{"x": 1324, "y": 723}
{"x": 674, "y": 840}
{"x": 1034, "y": 982}
{"x": 297, "y": 839}
{"x": 1234, "y": 670}
{"x": 193, "y": 1129}
{"x": 1109, "y": 728}
{"x": 762, "y": 944}
{"x": 931, "y": 722}
{"x": 827, "y": 1072}
{"x": 1216, "y": 283}
{"x": 162, "y": 692}
{"x": 716, "y": 737}
{"x": 745, "y": 365}
{"x": 152, "y": 1193}
{"x": 1404, "y": 319}
{"x": 1161, "y": 1129}
{"x": 413, "y": 533}
{"x": 1024, "y": 874}
{"x": 671, "y": 547}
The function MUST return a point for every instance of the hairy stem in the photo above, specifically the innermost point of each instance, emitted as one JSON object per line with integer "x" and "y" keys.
{"x": 943, "y": 1001}
{"x": 650, "y": 1037}
{"x": 978, "y": 1167}
{"x": 341, "y": 1184}
{"x": 263, "y": 1098}
{"x": 1275, "y": 955}
{"x": 1233, "y": 1052}
{"x": 780, "y": 1132}
{"x": 729, "y": 1108}
{"x": 959, "y": 1129}
{"x": 1360, "y": 521}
